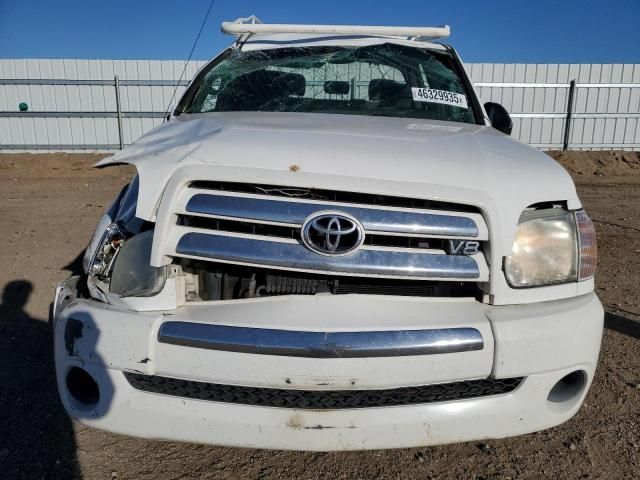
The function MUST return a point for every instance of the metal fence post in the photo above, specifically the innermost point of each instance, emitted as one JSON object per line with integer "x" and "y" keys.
{"x": 119, "y": 111}
{"x": 567, "y": 123}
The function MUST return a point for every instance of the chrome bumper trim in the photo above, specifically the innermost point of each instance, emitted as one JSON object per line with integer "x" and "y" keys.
{"x": 295, "y": 213}
{"x": 294, "y": 256}
{"x": 290, "y": 343}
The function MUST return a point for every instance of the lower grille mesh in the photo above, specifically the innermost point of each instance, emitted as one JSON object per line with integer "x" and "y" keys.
{"x": 327, "y": 399}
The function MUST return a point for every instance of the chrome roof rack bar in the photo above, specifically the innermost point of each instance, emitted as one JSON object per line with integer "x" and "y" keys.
{"x": 252, "y": 25}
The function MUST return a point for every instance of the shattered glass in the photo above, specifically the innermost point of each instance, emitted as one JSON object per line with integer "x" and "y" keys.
{"x": 370, "y": 80}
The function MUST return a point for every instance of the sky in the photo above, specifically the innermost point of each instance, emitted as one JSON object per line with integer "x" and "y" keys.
{"x": 533, "y": 31}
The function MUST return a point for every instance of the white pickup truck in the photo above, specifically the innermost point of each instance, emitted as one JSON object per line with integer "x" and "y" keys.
{"x": 332, "y": 245}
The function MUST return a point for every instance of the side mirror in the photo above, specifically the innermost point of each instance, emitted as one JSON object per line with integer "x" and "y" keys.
{"x": 499, "y": 117}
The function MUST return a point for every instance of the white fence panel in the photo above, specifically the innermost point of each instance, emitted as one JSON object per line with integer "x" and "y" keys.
{"x": 81, "y": 114}
{"x": 606, "y": 104}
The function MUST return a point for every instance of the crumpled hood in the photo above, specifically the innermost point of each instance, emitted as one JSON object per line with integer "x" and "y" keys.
{"x": 446, "y": 161}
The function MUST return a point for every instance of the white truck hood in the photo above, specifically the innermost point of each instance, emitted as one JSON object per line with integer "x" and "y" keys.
{"x": 452, "y": 162}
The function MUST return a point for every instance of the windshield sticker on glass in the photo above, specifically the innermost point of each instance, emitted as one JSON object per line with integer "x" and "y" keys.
{"x": 439, "y": 96}
{"x": 432, "y": 128}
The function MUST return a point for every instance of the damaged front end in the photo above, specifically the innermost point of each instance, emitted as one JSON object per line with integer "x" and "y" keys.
{"x": 214, "y": 308}
{"x": 119, "y": 271}
{"x": 116, "y": 264}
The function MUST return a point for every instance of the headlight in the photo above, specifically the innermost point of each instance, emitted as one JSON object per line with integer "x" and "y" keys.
{"x": 545, "y": 250}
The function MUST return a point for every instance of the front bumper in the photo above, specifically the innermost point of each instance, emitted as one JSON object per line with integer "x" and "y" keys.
{"x": 542, "y": 342}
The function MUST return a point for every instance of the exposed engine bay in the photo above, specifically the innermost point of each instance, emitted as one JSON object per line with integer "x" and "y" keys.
{"x": 227, "y": 282}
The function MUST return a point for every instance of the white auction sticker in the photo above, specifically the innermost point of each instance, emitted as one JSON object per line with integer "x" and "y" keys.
{"x": 433, "y": 128}
{"x": 439, "y": 96}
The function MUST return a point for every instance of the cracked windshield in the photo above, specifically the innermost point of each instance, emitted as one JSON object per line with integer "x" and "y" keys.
{"x": 383, "y": 80}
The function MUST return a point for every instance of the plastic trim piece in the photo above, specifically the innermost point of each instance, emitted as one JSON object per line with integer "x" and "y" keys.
{"x": 322, "y": 399}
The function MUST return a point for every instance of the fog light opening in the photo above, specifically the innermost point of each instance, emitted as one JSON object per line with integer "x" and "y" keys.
{"x": 568, "y": 387}
{"x": 82, "y": 387}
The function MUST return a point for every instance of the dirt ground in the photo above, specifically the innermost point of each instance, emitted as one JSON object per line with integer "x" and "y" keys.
{"x": 49, "y": 205}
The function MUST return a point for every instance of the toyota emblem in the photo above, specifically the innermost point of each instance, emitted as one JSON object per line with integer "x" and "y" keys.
{"x": 332, "y": 233}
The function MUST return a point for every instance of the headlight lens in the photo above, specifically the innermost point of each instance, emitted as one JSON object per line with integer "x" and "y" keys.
{"x": 545, "y": 250}
{"x": 132, "y": 274}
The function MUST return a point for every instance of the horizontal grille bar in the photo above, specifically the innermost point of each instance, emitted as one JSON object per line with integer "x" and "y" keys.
{"x": 295, "y": 213}
{"x": 293, "y": 232}
{"x": 288, "y": 343}
{"x": 338, "y": 196}
{"x": 292, "y": 255}
{"x": 322, "y": 400}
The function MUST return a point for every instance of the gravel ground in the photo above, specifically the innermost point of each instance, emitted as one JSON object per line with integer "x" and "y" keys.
{"x": 49, "y": 205}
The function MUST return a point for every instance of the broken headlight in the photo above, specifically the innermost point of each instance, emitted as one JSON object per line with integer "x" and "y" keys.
{"x": 122, "y": 264}
{"x": 118, "y": 259}
{"x": 108, "y": 248}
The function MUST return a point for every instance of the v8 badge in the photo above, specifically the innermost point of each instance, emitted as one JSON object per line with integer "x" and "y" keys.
{"x": 463, "y": 247}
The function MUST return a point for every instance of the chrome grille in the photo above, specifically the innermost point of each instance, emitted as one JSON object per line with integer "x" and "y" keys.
{"x": 287, "y": 212}
{"x": 263, "y": 229}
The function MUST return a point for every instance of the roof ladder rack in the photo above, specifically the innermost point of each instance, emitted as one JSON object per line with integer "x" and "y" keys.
{"x": 243, "y": 28}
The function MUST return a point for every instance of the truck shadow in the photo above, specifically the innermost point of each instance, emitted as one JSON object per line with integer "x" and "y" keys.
{"x": 623, "y": 325}
{"x": 37, "y": 439}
